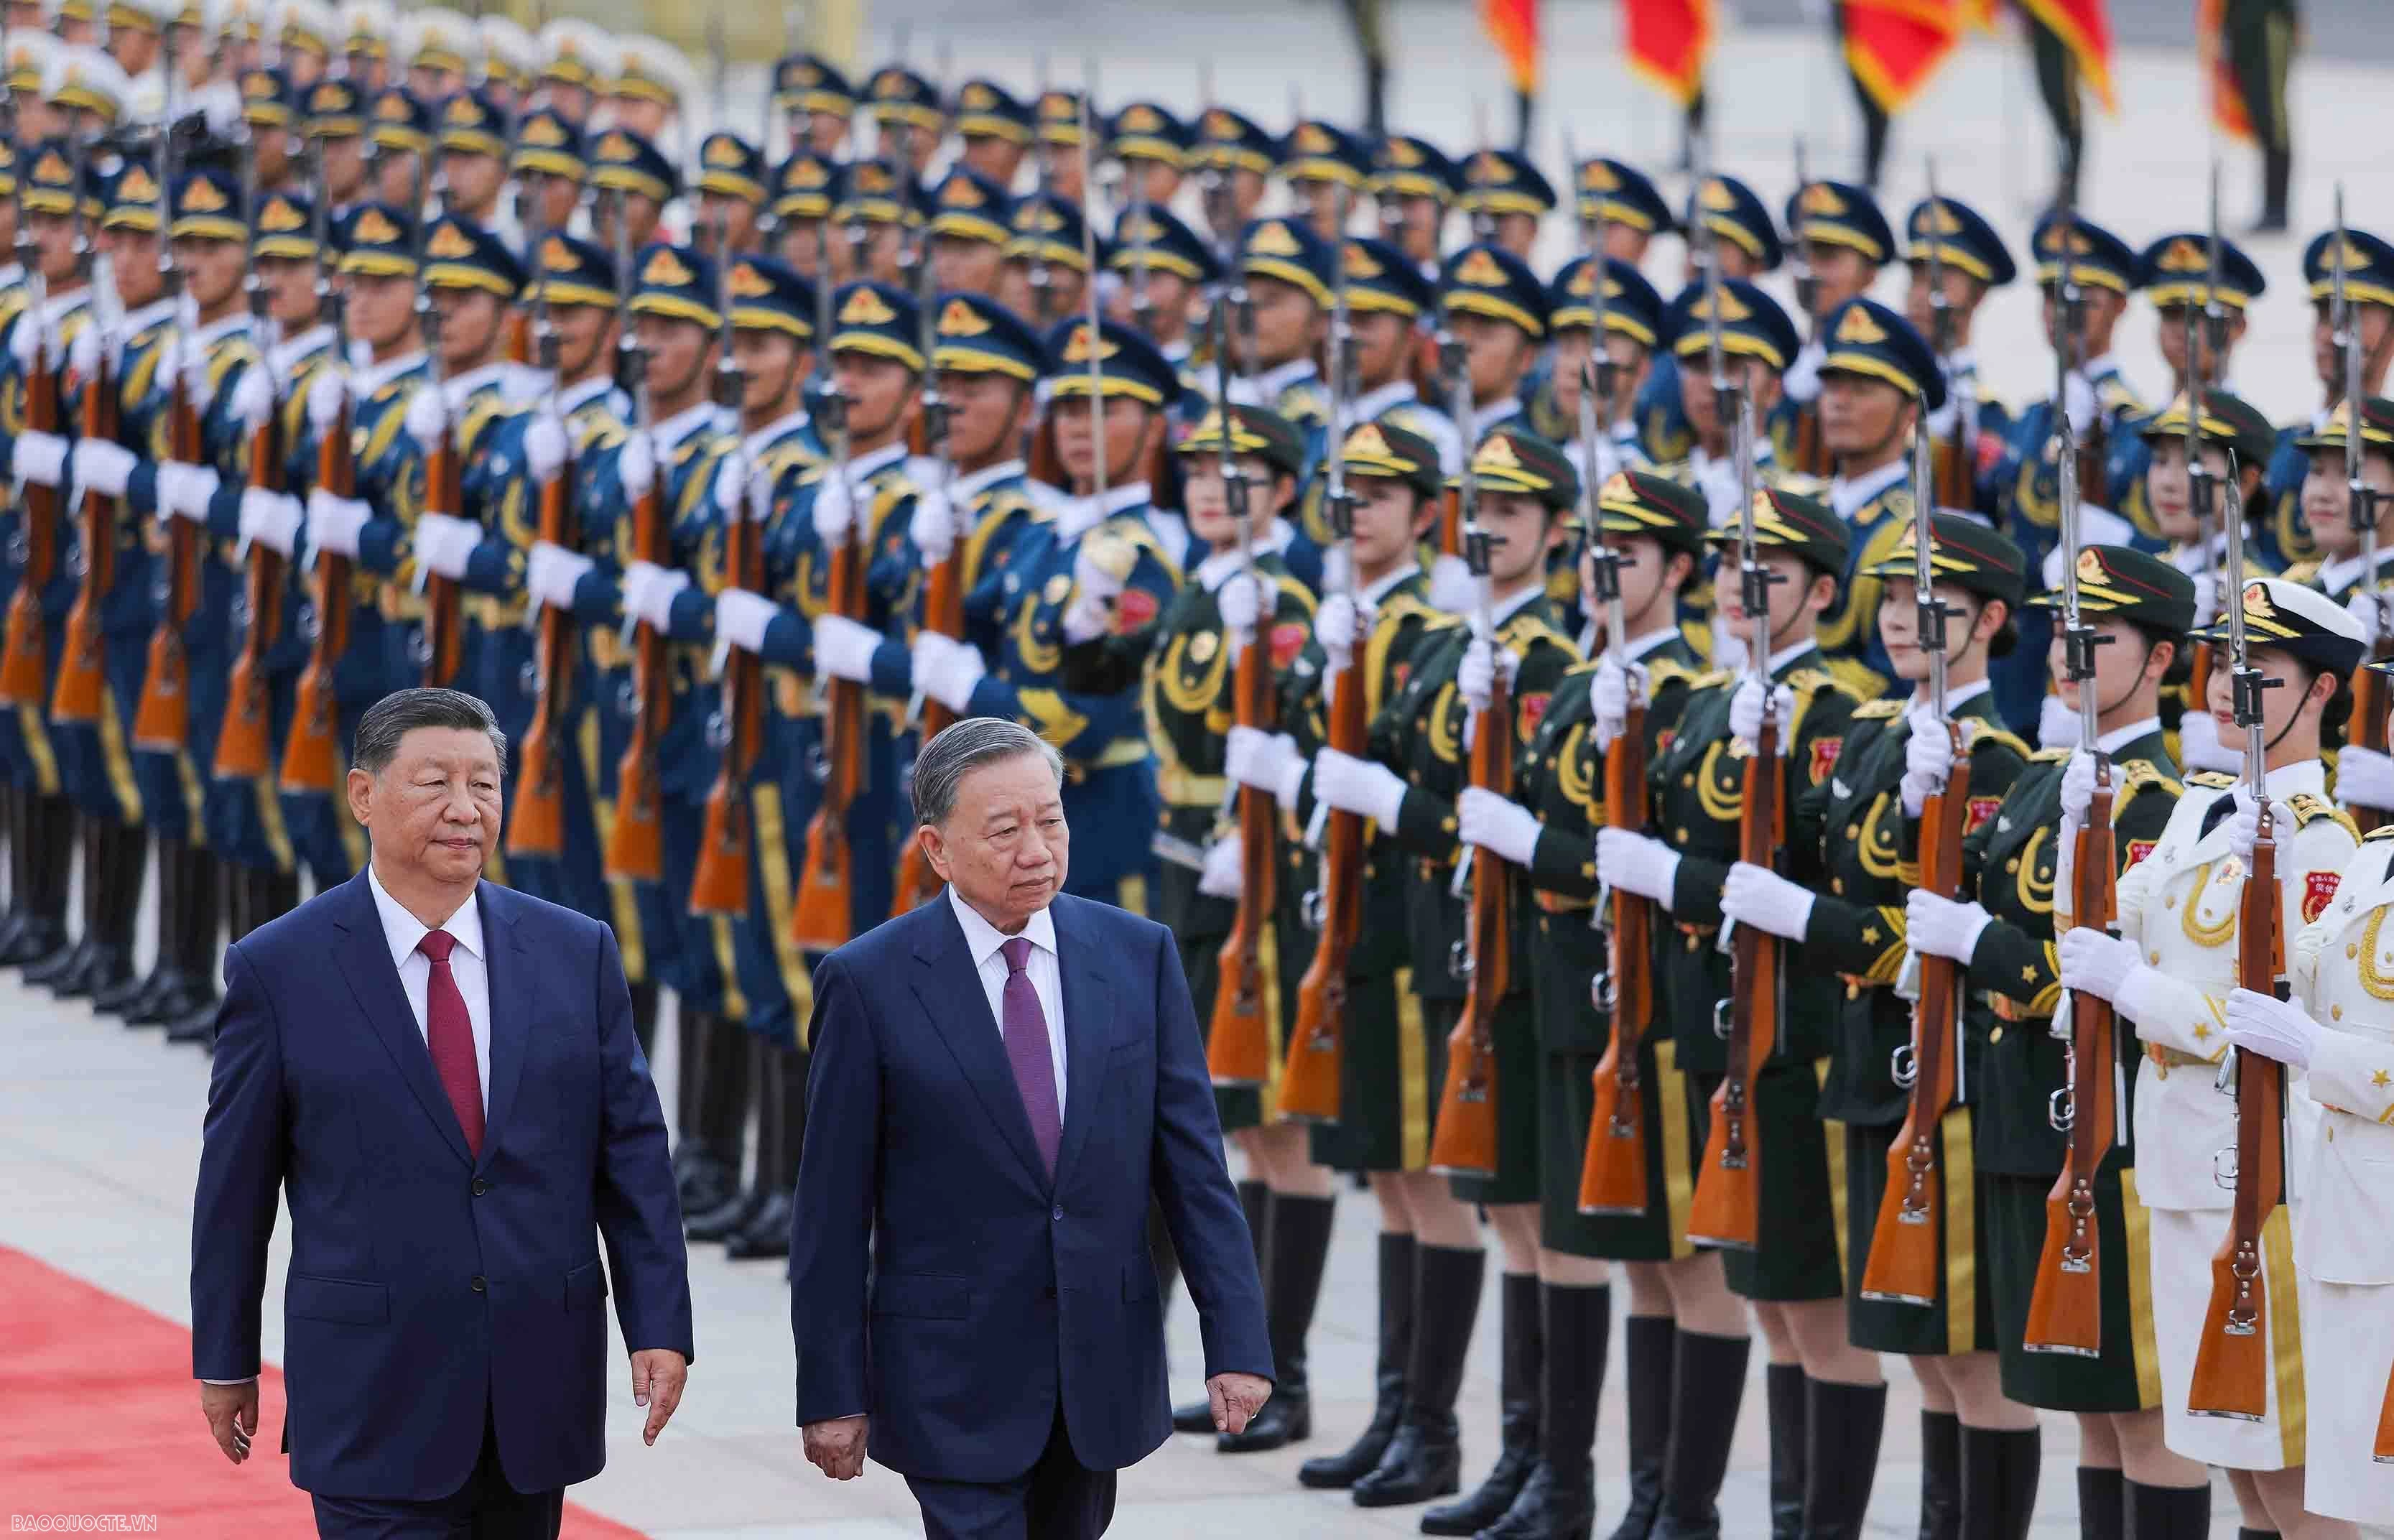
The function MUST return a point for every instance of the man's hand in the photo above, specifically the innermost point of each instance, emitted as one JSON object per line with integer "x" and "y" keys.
{"x": 658, "y": 1375}
{"x": 1236, "y": 1397}
{"x": 232, "y": 1411}
{"x": 837, "y": 1446}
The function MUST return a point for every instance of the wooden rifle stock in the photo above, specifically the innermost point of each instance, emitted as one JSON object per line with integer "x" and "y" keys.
{"x": 24, "y": 659}
{"x": 311, "y": 754}
{"x": 536, "y": 823}
{"x": 721, "y": 884}
{"x": 2369, "y": 706}
{"x": 2065, "y": 1311}
{"x": 1464, "y": 1142}
{"x": 1727, "y": 1208}
{"x": 822, "y": 916}
{"x": 943, "y": 611}
{"x": 164, "y": 719}
{"x": 81, "y": 692}
{"x": 1812, "y": 457}
{"x": 1907, "y": 1246}
{"x": 245, "y": 745}
{"x": 2232, "y": 1363}
{"x": 1956, "y": 473}
{"x": 636, "y": 845}
{"x": 1612, "y": 1179}
{"x": 1311, "y": 1081}
{"x": 1238, "y": 1043}
{"x": 445, "y": 493}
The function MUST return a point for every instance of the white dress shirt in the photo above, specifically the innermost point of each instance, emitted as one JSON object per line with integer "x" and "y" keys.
{"x": 983, "y": 941}
{"x": 468, "y": 962}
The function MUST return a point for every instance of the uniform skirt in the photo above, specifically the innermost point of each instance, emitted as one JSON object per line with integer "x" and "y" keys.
{"x": 1392, "y": 1067}
{"x": 1518, "y": 1097}
{"x": 1673, "y": 1132}
{"x": 2127, "y": 1375}
{"x": 1800, "y": 1218}
{"x": 2352, "y": 1327}
{"x": 1960, "y": 1318}
{"x": 2183, "y": 1242}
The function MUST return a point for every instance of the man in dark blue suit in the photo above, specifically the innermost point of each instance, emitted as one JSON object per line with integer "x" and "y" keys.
{"x": 441, "y": 1078}
{"x": 1002, "y": 1079}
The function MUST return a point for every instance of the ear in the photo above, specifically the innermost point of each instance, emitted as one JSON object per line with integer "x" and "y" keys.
{"x": 2158, "y": 660}
{"x": 934, "y": 848}
{"x": 1678, "y": 570}
{"x": 1991, "y": 620}
{"x": 359, "y": 789}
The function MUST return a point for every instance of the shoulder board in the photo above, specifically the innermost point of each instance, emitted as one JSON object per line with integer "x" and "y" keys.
{"x": 1811, "y": 682}
{"x": 2142, "y": 772}
{"x": 2215, "y": 779}
{"x": 2303, "y": 571}
{"x": 1859, "y": 680}
{"x": 2001, "y": 738}
{"x": 2309, "y": 810}
{"x": 1712, "y": 677}
{"x": 2384, "y": 831}
{"x": 1877, "y": 710}
{"x": 1526, "y": 630}
{"x": 2050, "y": 755}
{"x": 1661, "y": 671}
{"x": 1578, "y": 671}
{"x": 1438, "y": 620}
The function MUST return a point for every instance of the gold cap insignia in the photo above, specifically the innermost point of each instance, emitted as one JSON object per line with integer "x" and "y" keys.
{"x": 1488, "y": 166}
{"x": 1404, "y": 153}
{"x": 1821, "y": 198}
{"x": 1617, "y": 487}
{"x": 666, "y": 270}
{"x": 1731, "y": 308}
{"x": 281, "y": 217}
{"x": 328, "y": 97}
{"x": 889, "y": 83}
{"x": 1274, "y": 239}
{"x": 746, "y": 282}
{"x": 1219, "y": 124}
{"x": 1314, "y": 139}
{"x": 204, "y": 197}
{"x": 1369, "y": 440}
{"x": 52, "y": 168}
{"x": 373, "y": 229}
{"x": 461, "y": 109}
{"x": 865, "y": 307}
{"x": 1859, "y": 328}
{"x": 2184, "y": 255}
{"x": 1481, "y": 270}
{"x": 960, "y": 193}
{"x": 450, "y": 243}
{"x": 2090, "y": 566}
{"x": 140, "y": 186}
{"x": 1141, "y": 119}
{"x": 1717, "y": 197}
{"x": 1497, "y": 454}
{"x": 2257, "y": 602}
{"x": 1597, "y": 176}
{"x": 1077, "y": 348}
{"x": 808, "y": 173}
{"x": 616, "y": 147}
{"x": 392, "y": 108}
{"x": 557, "y": 257}
{"x": 724, "y": 153}
{"x": 978, "y": 97}
{"x": 543, "y": 133}
{"x": 961, "y": 319}
{"x": 1361, "y": 265}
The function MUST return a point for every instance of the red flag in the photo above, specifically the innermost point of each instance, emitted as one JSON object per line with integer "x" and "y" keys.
{"x": 1513, "y": 27}
{"x": 2220, "y": 79}
{"x": 1669, "y": 41}
{"x": 2084, "y": 28}
{"x": 1893, "y": 46}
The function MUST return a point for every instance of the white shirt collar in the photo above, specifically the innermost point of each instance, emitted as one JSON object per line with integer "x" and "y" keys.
{"x": 982, "y": 939}
{"x": 2203, "y": 557}
{"x": 1078, "y": 516}
{"x": 1216, "y": 568}
{"x": 965, "y": 488}
{"x": 1373, "y": 404}
{"x": 1386, "y": 586}
{"x": 582, "y": 392}
{"x": 1790, "y": 652}
{"x": 1273, "y": 381}
{"x": 1495, "y": 411}
{"x": 2346, "y": 570}
{"x": 134, "y": 322}
{"x": 457, "y": 388}
{"x": 773, "y": 432}
{"x": 2120, "y": 737}
{"x": 372, "y": 378}
{"x": 1850, "y": 497}
{"x": 1956, "y": 697}
{"x": 1961, "y": 362}
{"x": 12, "y": 275}
{"x": 2096, "y": 368}
{"x": 291, "y": 352}
{"x": 1175, "y": 353}
{"x": 61, "y": 305}
{"x": 1504, "y": 609}
{"x": 223, "y": 326}
{"x": 403, "y": 931}
{"x": 2303, "y": 776}
{"x": 682, "y": 423}
{"x": 1640, "y": 646}
{"x": 873, "y": 462}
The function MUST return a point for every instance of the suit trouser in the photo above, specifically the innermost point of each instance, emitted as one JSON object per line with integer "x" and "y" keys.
{"x": 486, "y": 1508}
{"x": 1057, "y": 1498}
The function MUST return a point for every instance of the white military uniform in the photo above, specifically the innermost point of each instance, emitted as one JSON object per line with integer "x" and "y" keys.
{"x": 2342, "y": 967}
{"x": 2179, "y": 905}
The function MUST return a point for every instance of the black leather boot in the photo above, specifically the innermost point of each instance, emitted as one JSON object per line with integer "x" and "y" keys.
{"x": 1336, "y": 1473}
{"x": 2277, "y": 181}
{"x": 125, "y": 855}
{"x": 204, "y": 906}
{"x": 12, "y": 830}
{"x": 1940, "y": 1476}
{"x": 1558, "y": 1500}
{"x": 1646, "y": 1343}
{"x": 1517, "y": 1420}
{"x": 729, "y": 1217}
{"x": 127, "y": 998}
{"x": 103, "y": 960}
{"x": 1254, "y": 1202}
{"x": 2169, "y": 1512}
{"x": 689, "y": 1074}
{"x": 1842, "y": 1425}
{"x": 176, "y": 987}
{"x": 1998, "y": 1481}
{"x": 1425, "y": 1459}
{"x": 2102, "y": 1504}
{"x": 1711, "y": 1382}
{"x": 70, "y": 957}
{"x": 1300, "y": 1246}
{"x": 766, "y": 1234}
{"x": 41, "y": 856}
{"x": 1784, "y": 1394}
{"x": 710, "y": 1175}
{"x": 273, "y": 893}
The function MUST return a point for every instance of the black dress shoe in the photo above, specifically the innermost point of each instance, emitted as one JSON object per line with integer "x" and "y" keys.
{"x": 1517, "y": 1392}
{"x": 199, "y": 1026}
{"x": 1287, "y": 1418}
{"x": 724, "y": 1220}
{"x": 124, "y": 998}
{"x": 766, "y": 1234}
{"x": 709, "y": 1182}
{"x": 110, "y": 966}
{"x": 63, "y": 960}
{"x": 182, "y": 994}
{"x": 39, "y": 938}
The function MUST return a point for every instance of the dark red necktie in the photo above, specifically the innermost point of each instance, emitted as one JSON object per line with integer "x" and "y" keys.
{"x": 449, "y": 1032}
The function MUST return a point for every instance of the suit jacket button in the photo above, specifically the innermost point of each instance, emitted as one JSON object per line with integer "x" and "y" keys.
{"x": 480, "y": 1187}
{"x": 1059, "y": 1213}
{"x": 479, "y": 1286}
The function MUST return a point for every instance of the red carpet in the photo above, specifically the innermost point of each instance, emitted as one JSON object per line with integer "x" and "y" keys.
{"x": 102, "y": 1418}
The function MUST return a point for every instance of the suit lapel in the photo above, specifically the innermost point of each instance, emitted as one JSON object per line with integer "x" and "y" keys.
{"x": 508, "y": 962}
{"x": 363, "y": 957}
{"x": 1087, "y": 998}
{"x": 949, "y": 987}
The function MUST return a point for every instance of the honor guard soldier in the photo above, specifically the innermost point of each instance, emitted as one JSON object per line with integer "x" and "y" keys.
{"x": 994, "y": 127}
{"x": 1839, "y": 240}
{"x": 642, "y": 182}
{"x": 400, "y": 147}
{"x": 1415, "y": 183}
{"x": 820, "y": 101}
{"x": 472, "y": 145}
{"x": 1326, "y": 167}
{"x": 550, "y": 166}
{"x": 2369, "y": 289}
{"x": 88, "y": 88}
{"x": 1231, "y": 145}
{"x": 310, "y": 31}
{"x": 1505, "y": 195}
{"x": 1497, "y": 310}
{"x": 28, "y": 63}
{"x": 1387, "y": 301}
{"x": 581, "y": 60}
{"x": 731, "y": 196}
{"x": 1726, "y": 219}
{"x": 2175, "y": 273}
{"x": 333, "y": 122}
{"x": 652, "y": 86}
{"x": 1654, "y": 529}
{"x": 2171, "y": 970}
{"x": 972, "y": 219}
{"x": 1633, "y": 324}
{"x": 1060, "y": 144}
{"x": 906, "y": 113}
{"x": 1825, "y": 1398}
{"x": 366, "y": 28}
{"x": 135, "y": 37}
{"x": 269, "y": 108}
{"x": 1622, "y": 200}
{"x": 1096, "y": 568}
{"x": 1855, "y": 829}
{"x": 1974, "y": 262}
{"x": 1152, "y": 147}
{"x": 878, "y": 211}
{"x": 2018, "y": 901}
{"x": 511, "y": 61}
{"x": 1163, "y": 267}
{"x": 804, "y": 188}
{"x": 1878, "y": 382}
{"x": 1289, "y": 273}
{"x": 2339, "y": 569}
{"x": 437, "y": 45}
{"x": 1757, "y": 343}
{"x": 1409, "y": 785}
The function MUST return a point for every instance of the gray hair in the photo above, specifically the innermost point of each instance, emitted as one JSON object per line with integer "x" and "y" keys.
{"x": 957, "y": 750}
{"x": 402, "y": 711}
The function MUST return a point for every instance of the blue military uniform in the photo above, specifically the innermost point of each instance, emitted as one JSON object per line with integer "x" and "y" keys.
{"x": 1729, "y": 210}
{"x": 1488, "y": 281}
{"x": 2368, "y": 263}
{"x": 1867, "y": 339}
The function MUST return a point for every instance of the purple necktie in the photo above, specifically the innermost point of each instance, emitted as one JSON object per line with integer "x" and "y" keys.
{"x": 1025, "y": 1029}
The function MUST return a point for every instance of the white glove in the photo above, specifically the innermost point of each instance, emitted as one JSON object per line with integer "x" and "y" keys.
{"x": 2365, "y": 778}
{"x": 2077, "y": 787}
{"x": 1497, "y": 824}
{"x": 2363, "y": 607}
{"x": 544, "y": 447}
{"x": 946, "y": 669}
{"x": 1756, "y": 896}
{"x": 2244, "y": 824}
{"x": 2272, "y": 1028}
{"x": 41, "y": 459}
{"x": 1338, "y": 626}
{"x": 253, "y": 397}
{"x": 1475, "y": 678}
{"x": 269, "y": 519}
{"x": 184, "y": 491}
{"x": 28, "y": 331}
{"x": 1939, "y": 927}
{"x": 103, "y": 466}
{"x": 2093, "y": 963}
{"x": 1268, "y": 761}
{"x": 1358, "y": 786}
{"x": 732, "y": 474}
{"x": 740, "y": 618}
{"x": 428, "y": 418}
{"x": 2078, "y": 399}
{"x": 191, "y": 360}
{"x": 636, "y": 464}
{"x": 1088, "y": 618}
{"x": 1092, "y": 579}
{"x": 1225, "y": 874}
{"x": 833, "y": 516}
{"x": 933, "y": 528}
{"x": 552, "y": 573}
{"x": 327, "y": 393}
{"x": 2057, "y": 725}
{"x": 649, "y": 592}
{"x": 1638, "y": 863}
{"x": 1928, "y": 760}
{"x": 1240, "y": 601}
{"x": 334, "y": 522}
{"x": 2200, "y": 748}
{"x": 1452, "y": 586}
{"x": 2206, "y": 597}
{"x": 1746, "y": 712}
{"x": 443, "y": 545}
{"x": 83, "y": 353}
{"x": 1608, "y": 692}
{"x": 844, "y": 648}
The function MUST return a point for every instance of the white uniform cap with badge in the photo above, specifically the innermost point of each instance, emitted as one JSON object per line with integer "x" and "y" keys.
{"x": 312, "y": 25}
{"x": 576, "y": 52}
{"x": 654, "y": 68}
{"x": 439, "y": 39}
{"x": 87, "y": 78}
{"x": 2294, "y": 618}
{"x": 366, "y": 27}
{"x": 509, "y": 52}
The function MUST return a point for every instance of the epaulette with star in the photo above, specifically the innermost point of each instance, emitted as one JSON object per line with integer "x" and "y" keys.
{"x": 2309, "y": 810}
{"x": 2000, "y": 738}
{"x": 1880, "y": 708}
{"x": 2384, "y": 831}
{"x": 1712, "y": 677}
{"x": 2215, "y": 779}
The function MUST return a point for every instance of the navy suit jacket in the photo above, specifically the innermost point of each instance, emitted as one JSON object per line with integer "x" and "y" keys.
{"x": 430, "y": 1293}
{"x": 940, "y": 1282}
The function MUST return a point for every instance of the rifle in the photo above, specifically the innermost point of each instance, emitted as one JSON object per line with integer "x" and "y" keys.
{"x": 2232, "y": 1363}
{"x": 1238, "y": 1045}
{"x": 80, "y": 694}
{"x": 1811, "y": 455}
{"x": 2200, "y": 488}
{"x": 1727, "y": 1207}
{"x": 2361, "y": 508}
{"x": 1909, "y": 1241}
{"x": 821, "y": 915}
{"x": 311, "y": 754}
{"x": 2065, "y": 1311}
{"x": 244, "y": 746}
{"x": 636, "y": 844}
{"x": 721, "y": 884}
{"x": 943, "y": 606}
{"x": 24, "y": 667}
{"x": 442, "y": 646}
{"x": 163, "y": 720}
{"x": 536, "y": 823}
{"x": 1953, "y": 466}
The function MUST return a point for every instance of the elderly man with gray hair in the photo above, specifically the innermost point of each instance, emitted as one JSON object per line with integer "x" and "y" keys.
{"x": 441, "y": 1077}
{"x": 1003, "y": 1078}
